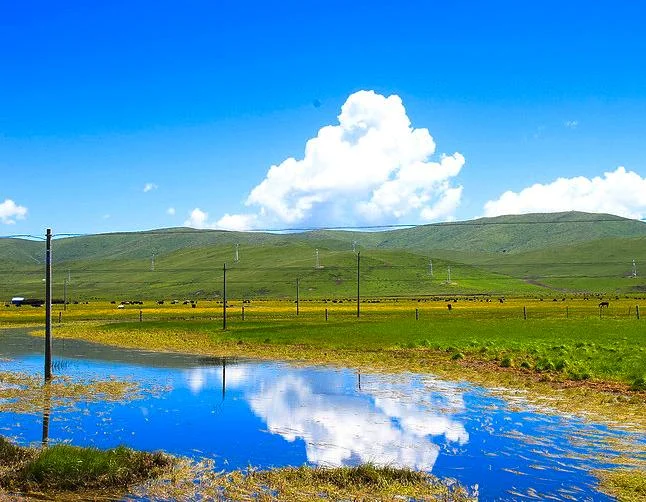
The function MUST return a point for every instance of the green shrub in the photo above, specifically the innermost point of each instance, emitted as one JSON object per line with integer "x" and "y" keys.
{"x": 560, "y": 365}
{"x": 638, "y": 383}
{"x": 544, "y": 364}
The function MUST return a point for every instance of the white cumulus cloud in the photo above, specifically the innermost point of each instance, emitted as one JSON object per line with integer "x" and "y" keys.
{"x": 619, "y": 192}
{"x": 10, "y": 212}
{"x": 372, "y": 167}
{"x": 149, "y": 187}
{"x": 198, "y": 219}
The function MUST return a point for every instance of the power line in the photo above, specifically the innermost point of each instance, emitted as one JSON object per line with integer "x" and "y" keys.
{"x": 284, "y": 230}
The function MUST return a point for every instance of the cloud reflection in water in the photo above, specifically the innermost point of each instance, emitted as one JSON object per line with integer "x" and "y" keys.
{"x": 389, "y": 423}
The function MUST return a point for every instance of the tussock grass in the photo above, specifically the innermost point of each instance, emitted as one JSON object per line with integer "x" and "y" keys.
{"x": 65, "y": 468}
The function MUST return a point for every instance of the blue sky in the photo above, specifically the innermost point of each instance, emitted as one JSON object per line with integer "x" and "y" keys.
{"x": 118, "y": 116}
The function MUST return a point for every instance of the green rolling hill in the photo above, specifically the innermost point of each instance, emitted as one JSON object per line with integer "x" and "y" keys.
{"x": 537, "y": 254}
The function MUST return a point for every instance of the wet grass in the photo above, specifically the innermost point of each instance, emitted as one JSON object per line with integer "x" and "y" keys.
{"x": 71, "y": 473}
{"x": 624, "y": 484}
{"x": 23, "y": 393}
{"x": 191, "y": 481}
{"x": 64, "y": 468}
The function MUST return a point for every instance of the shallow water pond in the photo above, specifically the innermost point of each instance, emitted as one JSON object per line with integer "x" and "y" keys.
{"x": 246, "y": 413}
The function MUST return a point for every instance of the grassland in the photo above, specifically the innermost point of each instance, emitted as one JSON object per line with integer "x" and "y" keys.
{"x": 570, "y": 354}
{"x": 552, "y": 341}
{"x": 530, "y": 255}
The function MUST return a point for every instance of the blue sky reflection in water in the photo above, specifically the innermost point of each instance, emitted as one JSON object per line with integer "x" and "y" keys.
{"x": 274, "y": 414}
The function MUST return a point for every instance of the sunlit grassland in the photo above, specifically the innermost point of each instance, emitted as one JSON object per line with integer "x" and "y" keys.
{"x": 574, "y": 339}
{"x": 590, "y": 355}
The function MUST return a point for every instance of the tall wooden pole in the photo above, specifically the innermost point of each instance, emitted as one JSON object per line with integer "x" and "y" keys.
{"x": 358, "y": 282}
{"x": 48, "y": 306}
{"x": 224, "y": 295}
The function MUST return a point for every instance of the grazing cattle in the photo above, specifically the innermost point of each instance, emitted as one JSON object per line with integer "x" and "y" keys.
{"x": 604, "y": 304}
{"x": 449, "y": 306}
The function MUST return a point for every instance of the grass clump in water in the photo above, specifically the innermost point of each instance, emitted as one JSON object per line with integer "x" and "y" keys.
{"x": 66, "y": 468}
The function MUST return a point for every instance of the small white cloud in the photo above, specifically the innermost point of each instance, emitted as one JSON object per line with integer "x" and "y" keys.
{"x": 619, "y": 192}
{"x": 149, "y": 187}
{"x": 106, "y": 216}
{"x": 198, "y": 219}
{"x": 240, "y": 222}
{"x": 571, "y": 124}
{"x": 170, "y": 211}
{"x": 372, "y": 167}
{"x": 10, "y": 212}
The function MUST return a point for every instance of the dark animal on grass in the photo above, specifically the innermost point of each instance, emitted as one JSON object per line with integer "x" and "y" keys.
{"x": 449, "y": 306}
{"x": 604, "y": 304}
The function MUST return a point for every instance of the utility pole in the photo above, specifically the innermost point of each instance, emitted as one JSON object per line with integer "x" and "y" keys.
{"x": 430, "y": 267}
{"x": 297, "y": 288}
{"x": 358, "y": 283}
{"x": 224, "y": 378}
{"x": 224, "y": 295}
{"x": 634, "y": 269}
{"x": 65, "y": 294}
{"x": 152, "y": 263}
{"x": 48, "y": 306}
{"x": 449, "y": 279}
{"x": 237, "y": 256}
{"x": 318, "y": 263}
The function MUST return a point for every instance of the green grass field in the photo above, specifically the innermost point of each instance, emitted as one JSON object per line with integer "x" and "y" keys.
{"x": 572, "y": 340}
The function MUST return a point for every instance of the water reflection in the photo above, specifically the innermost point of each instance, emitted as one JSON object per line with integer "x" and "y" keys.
{"x": 47, "y": 411}
{"x": 243, "y": 413}
{"x": 345, "y": 430}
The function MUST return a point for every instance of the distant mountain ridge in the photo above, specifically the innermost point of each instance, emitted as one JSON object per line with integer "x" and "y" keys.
{"x": 501, "y": 234}
{"x": 523, "y": 254}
